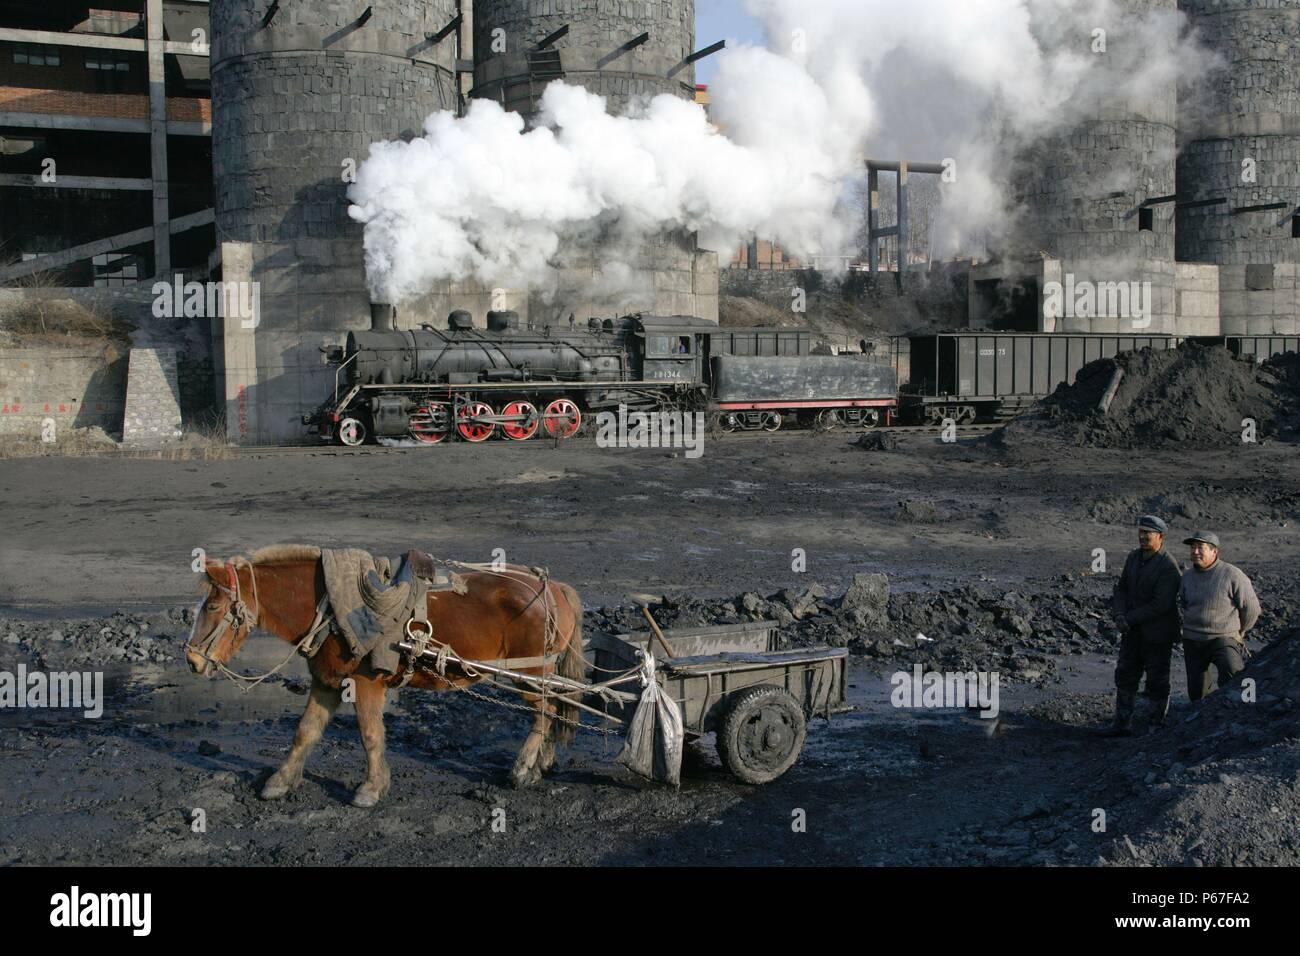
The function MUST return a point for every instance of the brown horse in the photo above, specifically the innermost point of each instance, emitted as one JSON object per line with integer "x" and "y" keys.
{"x": 500, "y": 614}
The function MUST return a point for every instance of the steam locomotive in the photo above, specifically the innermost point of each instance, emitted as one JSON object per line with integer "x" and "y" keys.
{"x": 518, "y": 381}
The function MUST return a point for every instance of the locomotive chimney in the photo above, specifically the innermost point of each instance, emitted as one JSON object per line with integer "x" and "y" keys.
{"x": 381, "y": 317}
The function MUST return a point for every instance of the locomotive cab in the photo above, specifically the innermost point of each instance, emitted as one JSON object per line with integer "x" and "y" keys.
{"x": 675, "y": 348}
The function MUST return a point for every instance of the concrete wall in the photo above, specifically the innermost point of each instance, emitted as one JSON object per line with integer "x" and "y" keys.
{"x": 1156, "y": 284}
{"x": 1261, "y": 299}
{"x": 292, "y": 102}
{"x": 1251, "y": 111}
{"x": 76, "y": 387}
{"x": 1196, "y": 288}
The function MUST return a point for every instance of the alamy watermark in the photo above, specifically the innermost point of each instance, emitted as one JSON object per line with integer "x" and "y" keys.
{"x": 1100, "y": 300}
{"x": 73, "y": 690}
{"x": 952, "y": 690}
{"x": 76, "y": 909}
{"x": 662, "y": 429}
{"x": 191, "y": 300}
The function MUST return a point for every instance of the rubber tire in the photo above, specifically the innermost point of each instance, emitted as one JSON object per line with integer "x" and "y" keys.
{"x": 745, "y": 705}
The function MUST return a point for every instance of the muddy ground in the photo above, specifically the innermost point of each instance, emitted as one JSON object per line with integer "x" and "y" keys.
{"x": 93, "y": 544}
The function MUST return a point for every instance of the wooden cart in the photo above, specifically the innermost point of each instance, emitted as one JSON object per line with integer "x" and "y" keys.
{"x": 732, "y": 680}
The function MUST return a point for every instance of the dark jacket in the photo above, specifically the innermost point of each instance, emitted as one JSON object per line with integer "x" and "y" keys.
{"x": 1146, "y": 595}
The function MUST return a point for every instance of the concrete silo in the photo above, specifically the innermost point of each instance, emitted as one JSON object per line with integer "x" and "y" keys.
{"x": 619, "y": 49}
{"x": 1079, "y": 192}
{"x": 1242, "y": 142}
{"x": 299, "y": 91}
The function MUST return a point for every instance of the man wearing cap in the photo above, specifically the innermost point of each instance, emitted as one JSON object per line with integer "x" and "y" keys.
{"x": 1145, "y": 609}
{"x": 1219, "y": 607}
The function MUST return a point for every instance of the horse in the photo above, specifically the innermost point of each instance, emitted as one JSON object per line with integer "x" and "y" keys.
{"x": 507, "y": 613}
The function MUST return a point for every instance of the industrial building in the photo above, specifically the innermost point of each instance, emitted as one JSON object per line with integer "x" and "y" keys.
{"x": 139, "y": 140}
{"x": 1200, "y": 203}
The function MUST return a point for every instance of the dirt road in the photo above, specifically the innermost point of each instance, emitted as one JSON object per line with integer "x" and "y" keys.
{"x": 90, "y": 537}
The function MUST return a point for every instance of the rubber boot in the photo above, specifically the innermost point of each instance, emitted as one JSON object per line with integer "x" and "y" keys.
{"x": 1159, "y": 711}
{"x": 1122, "y": 725}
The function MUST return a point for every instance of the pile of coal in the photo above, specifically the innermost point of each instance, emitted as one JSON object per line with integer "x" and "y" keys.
{"x": 1192, "y": 397}
{"x": 121, "y": 638}
{"x": 983, "y": 627}
{"x": 877, "y": 440}
{"x": 1219, "y": 786}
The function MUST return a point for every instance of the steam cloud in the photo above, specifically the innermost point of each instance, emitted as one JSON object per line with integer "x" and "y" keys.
{"x": 481, "y": 197}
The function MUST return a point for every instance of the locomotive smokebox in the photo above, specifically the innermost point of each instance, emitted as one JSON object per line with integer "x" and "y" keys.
{"x": 381, "y": 317}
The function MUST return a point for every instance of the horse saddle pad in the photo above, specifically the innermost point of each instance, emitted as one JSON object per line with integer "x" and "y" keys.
{"x": 373, "y": 598}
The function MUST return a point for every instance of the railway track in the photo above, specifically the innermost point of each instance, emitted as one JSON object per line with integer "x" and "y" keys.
{"x": 901, "y": 431}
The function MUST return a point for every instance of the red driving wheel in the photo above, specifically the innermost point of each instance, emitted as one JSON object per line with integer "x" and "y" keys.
{"x": 469, "y": 428}
{"x": 429, "y": 423}
{"x": 525, "y": 426}
{"x": 562, "y": 418}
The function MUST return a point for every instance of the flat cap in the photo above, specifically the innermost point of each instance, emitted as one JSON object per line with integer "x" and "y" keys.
{"x": 1209, "y": 537}
{"x": 1152, "y": 523}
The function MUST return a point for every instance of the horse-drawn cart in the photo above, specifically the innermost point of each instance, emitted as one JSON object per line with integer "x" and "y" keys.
{"x": 394, "y": 624}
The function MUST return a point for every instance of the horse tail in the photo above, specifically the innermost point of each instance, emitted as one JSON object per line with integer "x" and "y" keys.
{"x": 572, "y": 666}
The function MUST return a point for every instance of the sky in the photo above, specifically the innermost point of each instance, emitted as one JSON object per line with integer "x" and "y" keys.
{"x": 721, "y": 20}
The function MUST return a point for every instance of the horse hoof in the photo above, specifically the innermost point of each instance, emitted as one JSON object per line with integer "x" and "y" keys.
{"x": 365, "y": 798}
{"x": 522, "y": 781}
{"x": 274, "y": 791}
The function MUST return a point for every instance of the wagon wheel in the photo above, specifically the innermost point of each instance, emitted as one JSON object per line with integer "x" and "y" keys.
{"x": 562, "y": 418}
{"x": 526, "y": 425}
{"x": 469, "y": 427}
{"x": 829, "y": 418}
{"x": 762, "y": 734}
{"x": 771, "y": 421}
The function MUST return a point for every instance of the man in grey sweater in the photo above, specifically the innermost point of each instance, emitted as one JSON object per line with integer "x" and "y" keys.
{"x": 1219, "y": 606}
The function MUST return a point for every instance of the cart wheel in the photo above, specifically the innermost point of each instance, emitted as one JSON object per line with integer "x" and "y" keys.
{"x": 762, "y": 734}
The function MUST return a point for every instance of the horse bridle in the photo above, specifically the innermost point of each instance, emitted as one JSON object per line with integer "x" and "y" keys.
{"x": 237, "y": 616}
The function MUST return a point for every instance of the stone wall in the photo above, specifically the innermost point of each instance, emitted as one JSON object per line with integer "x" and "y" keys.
{"x": 597, "y": 28}
{"x": 74, "y": 387}
{"x": 153, "y": 400}
{"x": 1250, "y": 112}
{"x": 189, "y": 337}
{"x": 1063, "y": 185}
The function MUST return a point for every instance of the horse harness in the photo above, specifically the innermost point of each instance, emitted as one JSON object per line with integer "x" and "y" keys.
{"x": 418, "y": 628}
{"x": 424, "y": 651}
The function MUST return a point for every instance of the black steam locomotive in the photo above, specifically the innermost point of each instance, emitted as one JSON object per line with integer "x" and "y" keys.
{"x": 429, "y": 384}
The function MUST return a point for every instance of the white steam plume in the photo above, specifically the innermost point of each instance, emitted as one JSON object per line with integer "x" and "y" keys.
{"x": 481, "y": 197}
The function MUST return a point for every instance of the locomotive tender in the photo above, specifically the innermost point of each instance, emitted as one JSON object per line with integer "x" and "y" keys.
{"x": 429, "y": 384}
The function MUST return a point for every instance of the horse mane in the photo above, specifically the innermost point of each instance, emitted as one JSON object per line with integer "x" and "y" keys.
{"x": 285, "y": 553}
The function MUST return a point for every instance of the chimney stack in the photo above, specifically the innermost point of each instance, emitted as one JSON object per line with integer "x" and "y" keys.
{"x": 381, "y": 317}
